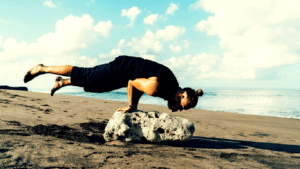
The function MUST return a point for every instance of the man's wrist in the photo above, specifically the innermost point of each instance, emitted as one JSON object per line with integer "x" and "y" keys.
{"x": 133, "y": 106}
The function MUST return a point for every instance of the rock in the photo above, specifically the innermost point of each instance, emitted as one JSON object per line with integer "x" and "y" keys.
{"x": 148, "y": 126}
{"x": 14, "y": 88}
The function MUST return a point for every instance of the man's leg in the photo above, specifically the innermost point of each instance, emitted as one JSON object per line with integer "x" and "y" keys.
{"x": 59, "y": 83}
{"x": 39, "y": 69}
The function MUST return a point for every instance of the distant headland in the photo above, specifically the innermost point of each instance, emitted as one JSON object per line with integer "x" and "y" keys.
{"x": 13, "y": 88}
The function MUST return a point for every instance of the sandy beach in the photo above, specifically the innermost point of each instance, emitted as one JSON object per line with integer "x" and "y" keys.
{"x": 40, "y": 131}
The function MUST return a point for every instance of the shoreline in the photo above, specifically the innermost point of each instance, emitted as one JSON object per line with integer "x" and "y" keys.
{"x": 166, "y": 105}
{"x": 37, "y": 130}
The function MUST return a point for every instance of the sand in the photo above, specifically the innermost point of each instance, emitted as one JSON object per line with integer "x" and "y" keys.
{"x": 40, "y": 131}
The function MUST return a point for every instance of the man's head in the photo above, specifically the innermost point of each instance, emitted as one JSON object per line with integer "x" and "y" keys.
{"x": 185, "y": 99}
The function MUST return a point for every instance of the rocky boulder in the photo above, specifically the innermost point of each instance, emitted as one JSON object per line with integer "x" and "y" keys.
{"x": 148, "y": 126}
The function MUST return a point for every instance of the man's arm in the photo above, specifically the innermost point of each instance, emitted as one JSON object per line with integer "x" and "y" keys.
{"x": 135, "y": 90}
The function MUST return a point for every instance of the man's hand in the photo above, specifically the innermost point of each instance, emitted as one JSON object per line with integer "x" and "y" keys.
{"x": 127, "y": 109}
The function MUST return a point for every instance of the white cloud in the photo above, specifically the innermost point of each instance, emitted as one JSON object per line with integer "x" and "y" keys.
{"x": 256, "y": 34}
{"x": 151, "y": 19}
{"x": 147, "y": 45}
{"x": 49, "y": 3}
{"x": 58, "y": 48}
{"x": 189, "y": 62}
{"x": 139, "y": 51}
{"x": 203, "y": 66}
{"x": 68, "y": 59}
{"x": 170, "y": 32}
{"x": 175, "y": 49}
{"x": 131, "y": 14}
{"x": 113, "y": 53}
{"x": 15, "y": 71}
{"x": 149, "y": 57}
{"x": 70, "y": 34}
{"x": 171, "y": 9}
{"x": 103, "y": 28}
{"x": 1, "y": 42}
{"x": 196, "y": 5}
{"x": 151, "y": 44}
{"x": 121, "y": 43}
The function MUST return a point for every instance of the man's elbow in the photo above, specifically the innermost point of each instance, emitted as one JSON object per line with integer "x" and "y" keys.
{"x": 151, "y": 93}
{"x": 152, "y": 90}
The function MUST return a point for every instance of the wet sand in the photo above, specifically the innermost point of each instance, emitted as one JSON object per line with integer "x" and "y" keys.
{"x": 40, "y": 131}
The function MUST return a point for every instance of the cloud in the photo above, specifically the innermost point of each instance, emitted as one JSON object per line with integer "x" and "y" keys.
{"x": 201, "y": 62}
{"x": 196, "y": 5}
{"x": 151, "y": 44}
{"x": 170, "y": 32}
{"x": 171, "y": 9}
{"x": 205, "y": 66}
{"x": 58, "y": 48}
{"x": 147, "y": 45}
{"x": 49, "y": 3}
{"x": 150, "y": 19}
{"x": 1, "y": 42}
{"x": 113, "y": 53}
{"x": 254, "y": 34}
{"x": 175, "y": 49}
{"x": 15, "y": 71}
{"x": 121, "y": 43}
{"x": 146, "y": 48}
{"x": 71, "y": 34}
{"x": 103, "y": 28}
{"x": 131, "y": 14}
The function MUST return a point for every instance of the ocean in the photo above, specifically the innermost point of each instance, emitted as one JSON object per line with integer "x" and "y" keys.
{"x": 264, "y": 102}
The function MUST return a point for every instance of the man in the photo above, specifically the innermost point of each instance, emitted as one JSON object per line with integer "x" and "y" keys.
{"x": 138, "y": 74}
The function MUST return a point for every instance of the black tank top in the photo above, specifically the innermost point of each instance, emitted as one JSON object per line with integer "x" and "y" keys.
{"x": 128, "y": 67}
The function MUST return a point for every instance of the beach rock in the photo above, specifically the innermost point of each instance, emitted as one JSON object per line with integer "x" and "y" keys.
{"x": 148, "y": 126}
{"x": 14, "y": 88}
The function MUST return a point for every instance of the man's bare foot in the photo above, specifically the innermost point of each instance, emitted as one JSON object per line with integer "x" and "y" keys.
{"x": 32, "y": 73}
{"x": 59, "y": 83}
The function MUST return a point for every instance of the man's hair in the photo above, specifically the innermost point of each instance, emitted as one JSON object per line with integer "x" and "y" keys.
{"x": 192, "y": 96}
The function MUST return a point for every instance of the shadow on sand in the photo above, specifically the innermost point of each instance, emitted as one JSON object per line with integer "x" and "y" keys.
{"x": 218, "y": 143}
{"x": 92, "y": 133}
{"x": 88, "y": 133}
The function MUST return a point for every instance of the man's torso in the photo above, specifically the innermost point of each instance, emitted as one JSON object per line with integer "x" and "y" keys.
{"x": 127, "y": 67}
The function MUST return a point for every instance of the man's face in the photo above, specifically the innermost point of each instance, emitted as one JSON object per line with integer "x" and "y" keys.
{"x": 184, "y": 101}
{"x": 179, "y": 103}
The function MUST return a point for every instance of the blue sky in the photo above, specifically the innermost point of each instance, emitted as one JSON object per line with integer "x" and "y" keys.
{"x": 206, "y": 43}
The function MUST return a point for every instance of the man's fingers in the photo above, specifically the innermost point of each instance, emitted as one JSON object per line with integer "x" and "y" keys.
{"x": 125, "y": 109}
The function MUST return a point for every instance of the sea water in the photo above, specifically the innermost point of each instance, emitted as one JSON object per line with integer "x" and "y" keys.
{"x": 266, "y": 102}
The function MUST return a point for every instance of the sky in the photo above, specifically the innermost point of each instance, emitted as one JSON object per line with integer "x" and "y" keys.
{"x": 206, "y": 43}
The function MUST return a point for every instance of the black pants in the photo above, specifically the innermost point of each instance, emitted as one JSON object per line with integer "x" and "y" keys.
{"x": 101, "y": 78}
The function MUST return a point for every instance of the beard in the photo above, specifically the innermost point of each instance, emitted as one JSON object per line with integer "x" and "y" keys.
{"x": 174, "y": 104}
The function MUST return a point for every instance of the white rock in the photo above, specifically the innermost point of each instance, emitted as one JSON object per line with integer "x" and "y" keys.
{"x": 152, "y": 126}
